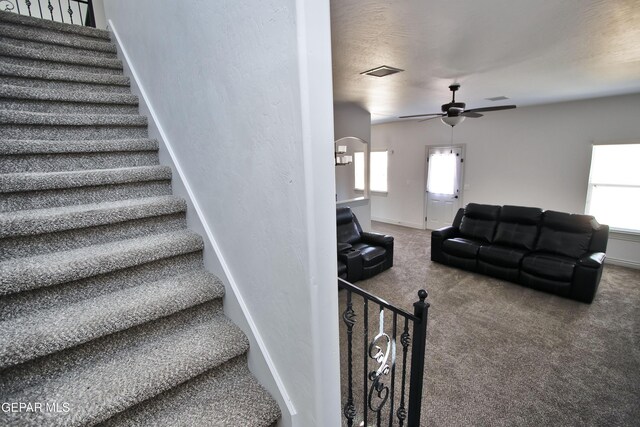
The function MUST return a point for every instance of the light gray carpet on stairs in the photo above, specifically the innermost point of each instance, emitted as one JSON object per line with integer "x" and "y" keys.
{"x": 105, "y": 306}
{"x": 499, "y": 354}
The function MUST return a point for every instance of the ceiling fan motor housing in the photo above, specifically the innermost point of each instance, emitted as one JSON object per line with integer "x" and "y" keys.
{"x": 453, "y": 108}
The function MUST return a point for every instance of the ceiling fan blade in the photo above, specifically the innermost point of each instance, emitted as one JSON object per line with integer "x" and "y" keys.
{"x": 420, "y": 115}
{"x": 471, "y": 114}
{"x": 430, "y": 118}
{"x": 496, "y": 108}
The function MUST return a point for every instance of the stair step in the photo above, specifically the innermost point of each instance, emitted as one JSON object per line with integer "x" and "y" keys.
{"x": 40, "y": 231}
{"x": 22, "y": 304}
{"x": 33, "y": 22}
{"x": 106, "y": 376}
{"x": 53, "y": 48}
{"x": 21, "y": 146}
{"x": 48, "y": 331}
{"x": 41, "y": 221}
{"x": 23, "y": 274}
{"x": 44, "y": 77}
{"x": 53, "y": 60}
{"x": 10, "y": 33}
{"x": 43, "y": 100}
{"x": 9, "y": 117}
{"x": 227, "y": 395}
{"x": 19, "y": 182}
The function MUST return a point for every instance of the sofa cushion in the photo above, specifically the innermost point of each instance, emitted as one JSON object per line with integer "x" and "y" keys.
{"x": 502, "y": 255}
{"x": 565, "y": 234}
{"x": 461, "y": 247}
{"x": 518, "y": 226}
{"x": 550, "y": 266}
{"x": 371, "y": 255}
{"x": 479, "y": 221}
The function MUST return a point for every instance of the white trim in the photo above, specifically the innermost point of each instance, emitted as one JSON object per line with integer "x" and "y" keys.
{"x": 622, "y": 263}
{"x": 214, "y": 244}
{"x": 629, "y": 236}
{"x": 402, "y": 223}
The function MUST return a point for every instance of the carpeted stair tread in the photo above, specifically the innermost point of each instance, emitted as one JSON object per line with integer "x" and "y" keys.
{"x": 47, "y": 331}
{"x": 33, "y": 22}
{"x": 42, "y": 73}
{"x": 33, "y": 181}
{"x": 10, "y": 117}
{"x": 109, "y": 381}
{"x": 53, "y": 39}
{"x": 30, "y": 146}
{"x": 40, "y": 221}
{"x": 38, "y": 271}
{"x": 85, "y": 97}
{"x": 228, "y": 395}
{"x": 47, "y": 55}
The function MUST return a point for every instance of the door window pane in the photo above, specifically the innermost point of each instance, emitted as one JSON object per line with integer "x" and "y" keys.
{"x": 442, "y": 173}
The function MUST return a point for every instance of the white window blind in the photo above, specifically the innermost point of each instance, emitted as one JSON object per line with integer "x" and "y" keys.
{"x": 613, "y": 196}
{"x": 442, "y": 173}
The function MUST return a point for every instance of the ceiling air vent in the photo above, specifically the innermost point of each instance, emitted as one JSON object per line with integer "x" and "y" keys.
{"x": 382, "y": 71}
{"x": 497, "y": 98}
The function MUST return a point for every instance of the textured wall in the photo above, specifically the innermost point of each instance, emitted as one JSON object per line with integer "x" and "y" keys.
{"x": 230, "y": 83}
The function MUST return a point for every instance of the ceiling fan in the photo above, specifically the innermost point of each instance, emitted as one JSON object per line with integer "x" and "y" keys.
{"x": 454, "y": 112}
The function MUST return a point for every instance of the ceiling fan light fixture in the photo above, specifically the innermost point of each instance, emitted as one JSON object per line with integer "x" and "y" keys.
{"x": 452, "y": 120}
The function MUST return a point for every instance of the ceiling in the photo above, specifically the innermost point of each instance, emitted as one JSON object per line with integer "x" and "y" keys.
{"x": 534, "y": 52}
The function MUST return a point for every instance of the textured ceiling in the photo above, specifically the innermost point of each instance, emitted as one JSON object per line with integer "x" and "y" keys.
{"x": 532, "y": 51}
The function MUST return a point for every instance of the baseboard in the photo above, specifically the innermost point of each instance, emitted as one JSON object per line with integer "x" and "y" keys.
{"x": 622, "y": 263}
{"x": 402, "y": 223}
{"x": 235, "y": 307}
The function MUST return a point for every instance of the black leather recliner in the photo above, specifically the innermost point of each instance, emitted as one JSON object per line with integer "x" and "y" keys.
{"x": 361, "y": 254}
{"x": 551, "y": 251}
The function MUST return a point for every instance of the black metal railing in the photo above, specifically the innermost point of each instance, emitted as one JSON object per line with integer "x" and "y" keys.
{"x": 56, "y": 10}
{"x": 375, "y": 393}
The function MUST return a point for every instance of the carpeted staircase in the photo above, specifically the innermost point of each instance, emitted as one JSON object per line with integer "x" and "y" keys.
{"x": 106, "y": 312}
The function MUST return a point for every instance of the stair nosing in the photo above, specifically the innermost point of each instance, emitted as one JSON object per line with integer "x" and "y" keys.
{"x": 43, "y": 146}
{"x": 14, "y": 117}
{"x": 33, "y": 272}
{"x": 25, "y": 33}
{"x": 11, "y": 92}
{"x": 42, "y": 73}
{"x": 38, "y": 181}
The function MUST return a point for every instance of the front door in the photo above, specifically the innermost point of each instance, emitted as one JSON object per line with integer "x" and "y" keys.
{"x": 444, "y": 181}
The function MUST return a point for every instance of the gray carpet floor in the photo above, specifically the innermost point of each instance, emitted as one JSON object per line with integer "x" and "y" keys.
{"x": 499, "y": 354}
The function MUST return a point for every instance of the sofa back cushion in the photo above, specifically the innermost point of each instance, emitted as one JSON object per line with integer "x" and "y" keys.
{"x": 479, "y": 221}
{"x": 565, "y": 234}
{"x": 347, "y": 228}
{"x": 518, "y": 227}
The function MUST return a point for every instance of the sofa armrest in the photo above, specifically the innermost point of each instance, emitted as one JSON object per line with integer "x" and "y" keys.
{"x": 592, "y": 259}
{"x": 353, "y": 259}
{"x": 445, "y": 233}
{"x": 343, "y": 247}
{"x": 377, "y": 239}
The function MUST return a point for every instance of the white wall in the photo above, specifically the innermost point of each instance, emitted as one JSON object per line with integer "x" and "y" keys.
{"x": 242, "y": 95}
{"x": 350, "y": 120}
{"x": 533, "y": 156}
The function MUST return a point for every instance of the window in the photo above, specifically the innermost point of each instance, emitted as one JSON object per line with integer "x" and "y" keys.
{"x": 377, "y": 171}
{"x": 613, "y": 196}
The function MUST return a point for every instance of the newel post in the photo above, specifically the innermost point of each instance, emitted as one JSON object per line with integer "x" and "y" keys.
{"x": 420, "y": 310}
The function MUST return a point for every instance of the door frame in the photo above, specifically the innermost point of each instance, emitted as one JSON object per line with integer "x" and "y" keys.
{"x": 463, "y": 150}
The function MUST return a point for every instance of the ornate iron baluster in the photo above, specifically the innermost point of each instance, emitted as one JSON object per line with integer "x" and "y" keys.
{"x": 393, "y": 370}
{"x": 365, "y": 325}
{"x": 50, "y": 7}
{"x": 349, "y": 318}
{"x": 9, "y": 5}
{"x": 80, "y": 12}
{"x": 61, "y": 13}
{"x": 382, "y": 358}
{"x": 28, "y": 3}
{"x": 40, "y": 7}
{"x": 405, "y": 340}
{"x": 69, "y": 10}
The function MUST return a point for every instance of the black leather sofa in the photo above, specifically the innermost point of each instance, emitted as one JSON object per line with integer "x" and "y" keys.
{"x": 550, "y": 251}
{"x": 361, "y": 254}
